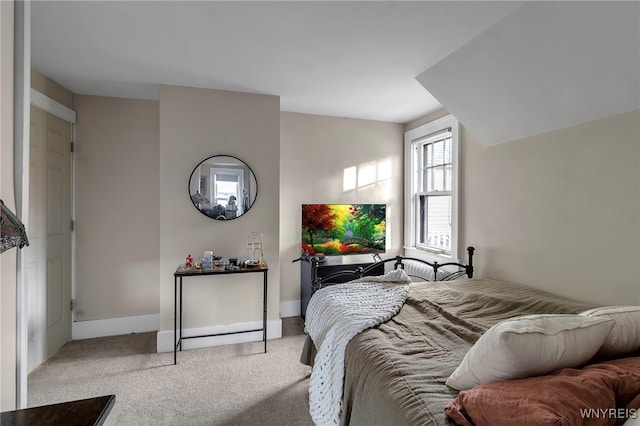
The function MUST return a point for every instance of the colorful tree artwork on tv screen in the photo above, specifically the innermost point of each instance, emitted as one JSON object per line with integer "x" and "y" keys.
{"x": 343, "y": 229}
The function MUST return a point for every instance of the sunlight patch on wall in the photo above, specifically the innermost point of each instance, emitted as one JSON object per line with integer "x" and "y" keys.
{"x": 349, "y": 181}
{"x": 384, "y": 169}
{"x": 366, "y": 174}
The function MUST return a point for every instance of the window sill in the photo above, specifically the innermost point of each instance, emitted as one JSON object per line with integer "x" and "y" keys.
{"x": 429, "y": 256}
{"x": 431, "y": 250}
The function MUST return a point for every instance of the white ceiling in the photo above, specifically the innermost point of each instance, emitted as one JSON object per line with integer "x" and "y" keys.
{"x": 349, "y": 59}
{"x": 506, "y": 70}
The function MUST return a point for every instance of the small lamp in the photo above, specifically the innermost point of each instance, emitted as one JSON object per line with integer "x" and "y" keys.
{"x": 12, "y": 232}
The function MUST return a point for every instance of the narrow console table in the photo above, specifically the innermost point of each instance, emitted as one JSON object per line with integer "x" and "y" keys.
{"x": 84, "y": 412}
{"x": 183, "y": 272}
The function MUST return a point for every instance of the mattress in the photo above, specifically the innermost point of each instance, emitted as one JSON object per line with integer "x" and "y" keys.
{"x": 395, "y": 373}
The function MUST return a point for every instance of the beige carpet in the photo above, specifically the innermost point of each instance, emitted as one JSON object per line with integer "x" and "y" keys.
{"x": 224, "y": 385}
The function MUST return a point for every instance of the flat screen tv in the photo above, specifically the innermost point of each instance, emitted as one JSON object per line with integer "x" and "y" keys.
{"x": 343, "y": 229}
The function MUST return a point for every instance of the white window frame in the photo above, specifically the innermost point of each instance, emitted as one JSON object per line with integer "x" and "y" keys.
{"x": 412, "y": 138}
{"x": 212, "y": 184}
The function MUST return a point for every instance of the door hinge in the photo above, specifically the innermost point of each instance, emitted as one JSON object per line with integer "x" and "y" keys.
{"x": 73, "y": 225}
{"x": 73, "y": 147}
{"x": 73, "y": 305}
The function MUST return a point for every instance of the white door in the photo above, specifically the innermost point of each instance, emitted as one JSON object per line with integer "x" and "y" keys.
{"x": 48, "y": 260}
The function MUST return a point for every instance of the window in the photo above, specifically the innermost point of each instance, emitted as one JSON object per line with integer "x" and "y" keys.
{"x": 431, "y": 187}
{"x": 226, "y": 183}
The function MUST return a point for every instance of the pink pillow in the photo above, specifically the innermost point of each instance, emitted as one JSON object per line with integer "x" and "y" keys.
{"x": 634, "y": 404}
{"x": 565, "y": 397}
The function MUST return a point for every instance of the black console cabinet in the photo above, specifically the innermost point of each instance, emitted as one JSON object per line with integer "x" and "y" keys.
{"x": 328, "y": 267}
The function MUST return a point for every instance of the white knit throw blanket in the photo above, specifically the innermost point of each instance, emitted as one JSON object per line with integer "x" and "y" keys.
{"x": 334, "y": 315}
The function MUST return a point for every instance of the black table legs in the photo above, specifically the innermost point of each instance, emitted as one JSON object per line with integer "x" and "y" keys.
{"x": 264, "y": 311}
{"x": 177, "y": 311}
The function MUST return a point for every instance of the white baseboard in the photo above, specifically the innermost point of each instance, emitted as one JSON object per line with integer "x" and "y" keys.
{"x": 114, "y": 326}
{"x": 290, "y": 308}
{"x": 274, "y": 331}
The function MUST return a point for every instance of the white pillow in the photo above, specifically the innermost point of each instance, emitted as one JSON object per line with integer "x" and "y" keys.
{"x": 530, "y": 345}
{"x": 632, "y": 421}
{"x": 624, "y": 337}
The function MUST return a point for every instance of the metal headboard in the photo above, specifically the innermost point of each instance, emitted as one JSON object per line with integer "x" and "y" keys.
{"x": 359, "y": 272}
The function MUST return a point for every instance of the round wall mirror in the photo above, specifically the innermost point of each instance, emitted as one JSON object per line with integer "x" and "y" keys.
{"x": 223, "y": 187}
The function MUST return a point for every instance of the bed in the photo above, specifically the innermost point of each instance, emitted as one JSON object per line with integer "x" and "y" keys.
{"x": 395, "y": 372}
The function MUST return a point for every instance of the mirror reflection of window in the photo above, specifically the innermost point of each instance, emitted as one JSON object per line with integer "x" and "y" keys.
{"x": 226, "y": 190}
{"x": 222, "y": 187}
{"x": 225, "y": 185}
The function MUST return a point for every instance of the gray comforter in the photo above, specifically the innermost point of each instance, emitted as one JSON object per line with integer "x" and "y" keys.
{"x": 395, "y": 372}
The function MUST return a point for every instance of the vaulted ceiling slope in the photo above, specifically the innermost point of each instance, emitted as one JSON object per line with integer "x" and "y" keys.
{"x": 506, "y": 69}
{"x": 545, "y": 66}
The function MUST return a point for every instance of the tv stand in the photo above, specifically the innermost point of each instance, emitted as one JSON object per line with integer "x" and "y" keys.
{"x": 330, "y": 265}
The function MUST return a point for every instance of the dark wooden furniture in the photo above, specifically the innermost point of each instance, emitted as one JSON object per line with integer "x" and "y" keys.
{"x": 182, "y": 272}
{"x": 332, "y": 266}
{"x": 84, "y": 412}
{"x": 448, "y": 271}
{"x": 315, "y": 274}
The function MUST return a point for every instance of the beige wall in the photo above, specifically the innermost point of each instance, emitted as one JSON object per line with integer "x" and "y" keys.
{"x": 196, "y": 124}
{"x": 116, "y": 279}
{"x": 558, "y": 211}
{"x": 561, "y": 207}
{"x": 315, "y": 151}
{"x": 52, "y": 89}
{"x": 117, "y": 207}
{"x": 8, "y": 258}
